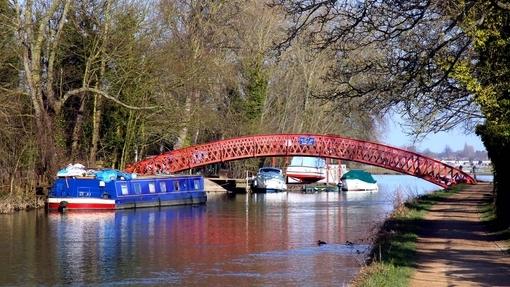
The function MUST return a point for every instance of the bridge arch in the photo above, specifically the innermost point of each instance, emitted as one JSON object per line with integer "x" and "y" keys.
{"x": 325, "y": 146}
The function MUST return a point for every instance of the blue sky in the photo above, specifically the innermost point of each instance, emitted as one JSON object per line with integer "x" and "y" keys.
{"x": 435, "y": 142}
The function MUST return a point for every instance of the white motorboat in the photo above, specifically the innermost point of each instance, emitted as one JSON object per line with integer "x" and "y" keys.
{"x": 308, "y": 170}
{"x": 268, "y": 179}
{"x": 358, "y": 180}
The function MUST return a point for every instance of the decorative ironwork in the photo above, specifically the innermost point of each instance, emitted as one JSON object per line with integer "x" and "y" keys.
{"x": 325, "y": 146}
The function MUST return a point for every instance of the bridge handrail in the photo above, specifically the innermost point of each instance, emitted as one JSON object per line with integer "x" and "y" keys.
{"x": 325, "y": 146}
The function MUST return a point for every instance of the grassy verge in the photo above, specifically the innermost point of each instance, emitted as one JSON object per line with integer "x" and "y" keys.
{"x": 393, "y": 258}
{"x": 497, "y": 229}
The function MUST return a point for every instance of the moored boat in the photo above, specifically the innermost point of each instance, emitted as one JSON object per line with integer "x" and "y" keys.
{"x": 113, "y": 189}
{"x": 268, "y": 179}
{"x": 309, "y": 170}
{"x": 358, "y": 180}
{"x": 304, "y": 169}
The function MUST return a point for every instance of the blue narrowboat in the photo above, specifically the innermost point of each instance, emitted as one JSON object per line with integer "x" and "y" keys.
{"x": 111, "y": 189}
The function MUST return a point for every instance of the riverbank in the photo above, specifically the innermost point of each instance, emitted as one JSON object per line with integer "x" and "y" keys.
{"x": 441, "y": 239}
{"x": 380, "y": 170}
{"x": 17, "y": 201}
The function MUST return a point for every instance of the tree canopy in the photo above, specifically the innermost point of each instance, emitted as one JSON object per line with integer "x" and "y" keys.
{"x": 440, "y": 64}
{"x": 100, "y": 82}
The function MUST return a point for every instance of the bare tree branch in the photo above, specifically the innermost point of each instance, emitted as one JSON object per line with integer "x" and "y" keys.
{"x": 103, "y": 94}
{"x": 501, "y": 5}
{"x": 395, "y": 55}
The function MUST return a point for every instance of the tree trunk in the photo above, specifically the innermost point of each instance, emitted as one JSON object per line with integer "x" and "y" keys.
{"x": 186, "y": 118}
{"x": 77, "y": 131}
{"x": 98, "y": 112}
{"x": 502, "y": 194}
{"x": 40, "y": 49}
{"x": 98, "y": 100}
{"x": 48, "y": 149}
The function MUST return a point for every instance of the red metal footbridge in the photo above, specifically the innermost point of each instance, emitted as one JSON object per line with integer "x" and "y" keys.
{"x": 325, "y": 146}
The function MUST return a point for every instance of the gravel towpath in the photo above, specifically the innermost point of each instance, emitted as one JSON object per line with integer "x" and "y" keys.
{"x": 454, "y": 248}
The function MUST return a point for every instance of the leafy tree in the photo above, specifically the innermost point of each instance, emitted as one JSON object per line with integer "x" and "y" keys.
{"x": 487, "y": 77}
{"x": 440, "y": 64}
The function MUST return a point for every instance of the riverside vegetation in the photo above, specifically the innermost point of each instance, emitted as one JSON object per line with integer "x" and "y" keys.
{"x": 87, "y": 87}
{"x": 393, "y": 257}
{"x": 20, "y": 200}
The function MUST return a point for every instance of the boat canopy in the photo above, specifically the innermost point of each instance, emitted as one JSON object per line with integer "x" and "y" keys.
{"x": 359, "y": 174}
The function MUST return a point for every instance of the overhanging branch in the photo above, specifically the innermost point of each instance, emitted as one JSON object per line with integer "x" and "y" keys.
{"x": 103, "y": 94}
{"x": 501, "y": 5}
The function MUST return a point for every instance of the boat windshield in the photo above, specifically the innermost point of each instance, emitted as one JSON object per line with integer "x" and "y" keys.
{"x": 270, "y": 169}
{"x": 316, "y": 162}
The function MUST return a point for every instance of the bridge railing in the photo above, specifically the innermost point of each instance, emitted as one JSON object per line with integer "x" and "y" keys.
{"x": 325, "y": 146}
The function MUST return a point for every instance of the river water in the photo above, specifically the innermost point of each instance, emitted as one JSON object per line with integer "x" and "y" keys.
{"x": 233, "y": 240}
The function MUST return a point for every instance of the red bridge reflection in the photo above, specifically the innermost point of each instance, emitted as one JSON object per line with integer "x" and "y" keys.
{"x": 325, "y": 146}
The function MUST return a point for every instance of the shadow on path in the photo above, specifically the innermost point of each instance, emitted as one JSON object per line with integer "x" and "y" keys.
{"x": 454, "y": 249}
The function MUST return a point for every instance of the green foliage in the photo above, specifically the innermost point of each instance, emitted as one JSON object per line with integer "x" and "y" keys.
{"x": 498, "y": 229}
{"x": 492, "y": 71}
{"x": 493, "y": 68}
{"x": 247, "y": 104}
{"x": 256, "y": 89}
{"x": 486, "y": 75}
{"x": 496, "y": 138}
{"x": 9, "y": 62}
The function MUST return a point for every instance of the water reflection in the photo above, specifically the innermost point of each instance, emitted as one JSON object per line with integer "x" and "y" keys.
{"x": 232, "y": 240}
{"x": 361, "y": 196}
{"x": 91, "y": 247}
{"x": 244, "y": 239}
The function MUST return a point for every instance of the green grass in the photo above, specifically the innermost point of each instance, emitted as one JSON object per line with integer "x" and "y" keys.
{"x": 497, "y": 229}
{"x": 393, "y": 258}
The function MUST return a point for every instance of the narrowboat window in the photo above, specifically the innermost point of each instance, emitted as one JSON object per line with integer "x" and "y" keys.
{"x": 184, "y": 184}
{"x": 162, "y": 186}
{"x": 138, "y": 188}
{"x": 176, "y": 185}
{"x": 124, "y": 189}
{"x": 196, "y": 183}
{"x": 152, "y": 188}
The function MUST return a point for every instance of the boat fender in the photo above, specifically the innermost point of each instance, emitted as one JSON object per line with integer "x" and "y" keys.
{"x": 62, "y": 206}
